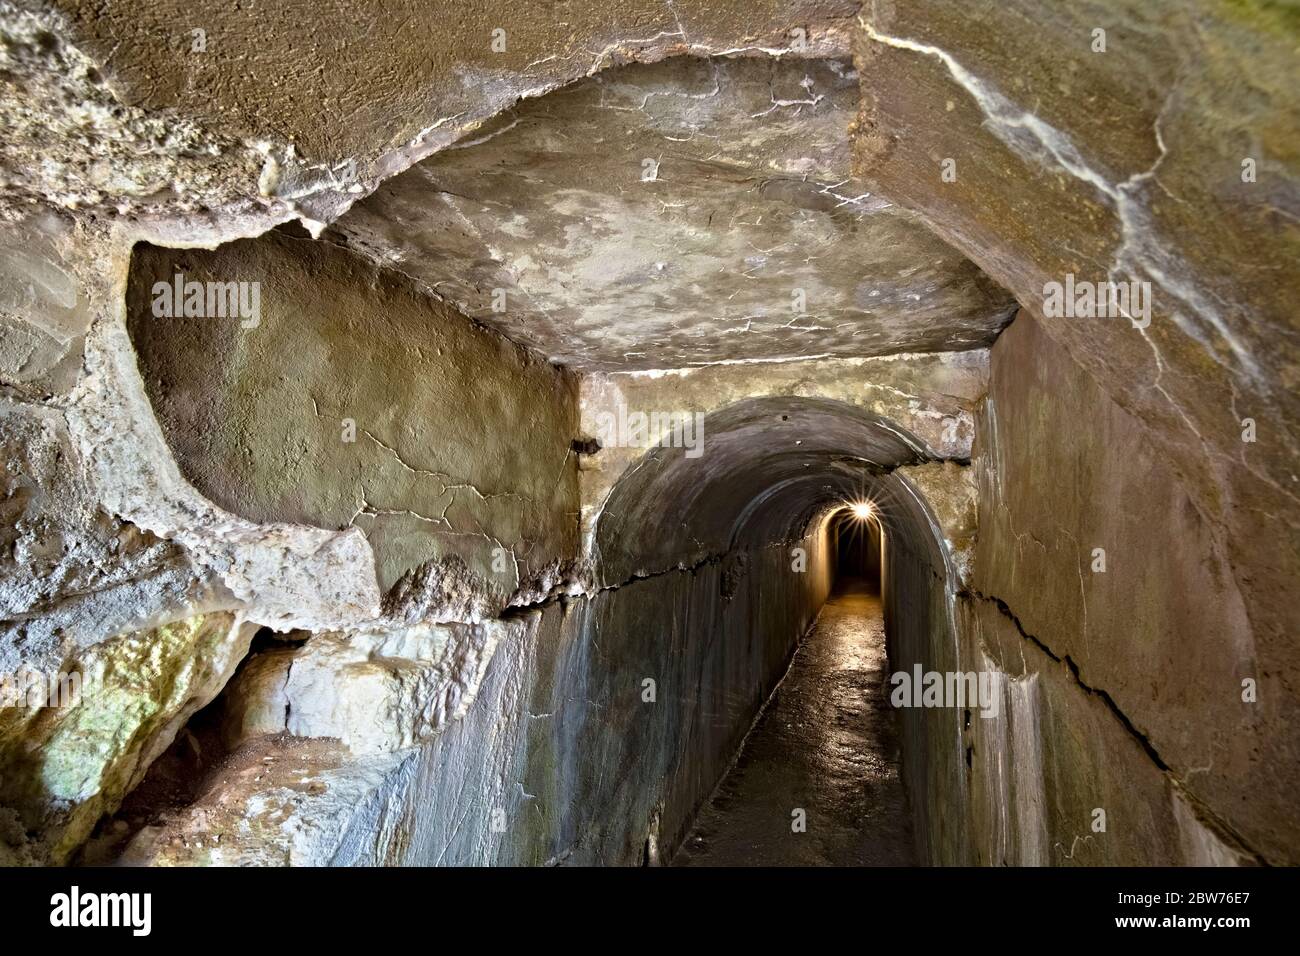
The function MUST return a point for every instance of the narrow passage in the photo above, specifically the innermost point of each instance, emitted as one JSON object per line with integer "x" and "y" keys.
{"x": 827, "y": 743}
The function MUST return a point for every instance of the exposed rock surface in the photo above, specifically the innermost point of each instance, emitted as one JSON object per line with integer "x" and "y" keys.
{"x": 480, "y": 585}
{"x": 38, "y": 280}
{"x": 1155, "y": 618}
{"x": 375, "y": 692}
{"x": 72, "y": 141}
{"x": 64, "y": 766}
{"x": 354, "y": 101}
{"x": 1127, "y": 164}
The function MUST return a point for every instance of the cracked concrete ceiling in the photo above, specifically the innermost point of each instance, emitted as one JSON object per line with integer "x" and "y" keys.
{"x": 688, "y": 212}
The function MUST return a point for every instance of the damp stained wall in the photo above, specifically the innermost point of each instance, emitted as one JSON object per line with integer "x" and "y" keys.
{"x": 357, "y": 401}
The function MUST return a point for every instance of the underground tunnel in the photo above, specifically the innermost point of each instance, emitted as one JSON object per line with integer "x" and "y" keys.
{"x": 652, "y": 442}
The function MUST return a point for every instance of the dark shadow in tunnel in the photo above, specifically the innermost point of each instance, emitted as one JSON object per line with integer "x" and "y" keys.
{"x": 859, "y": 540}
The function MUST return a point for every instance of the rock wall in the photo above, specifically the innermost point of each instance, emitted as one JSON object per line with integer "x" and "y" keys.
{"x": 1116, "y": 142}
{"x": 382, "y": 90}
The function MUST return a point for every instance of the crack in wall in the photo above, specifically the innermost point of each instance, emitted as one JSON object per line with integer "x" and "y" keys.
{"x": 1205, "y": 816}
{"x": 1035, "y": 140}
{"x": 580, "y": 590}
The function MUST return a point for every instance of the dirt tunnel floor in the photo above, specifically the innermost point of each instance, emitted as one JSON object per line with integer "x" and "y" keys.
{"x": 827, "y": 743}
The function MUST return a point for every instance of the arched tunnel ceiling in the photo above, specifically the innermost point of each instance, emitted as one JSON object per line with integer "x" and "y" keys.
{"x": 667, "y": 215}
{"x": 769, "y": 466}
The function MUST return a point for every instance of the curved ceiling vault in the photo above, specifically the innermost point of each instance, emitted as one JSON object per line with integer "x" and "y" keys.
{"x": 772, "y": 465}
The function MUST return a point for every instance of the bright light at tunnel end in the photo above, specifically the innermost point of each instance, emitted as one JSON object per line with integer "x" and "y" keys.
{"x": 862, "y": 510}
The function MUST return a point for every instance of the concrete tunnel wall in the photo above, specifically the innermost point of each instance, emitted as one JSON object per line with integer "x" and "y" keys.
{"x": 357, "y": 401}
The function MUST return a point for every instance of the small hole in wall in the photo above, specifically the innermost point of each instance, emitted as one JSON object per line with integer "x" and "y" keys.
{"x": 267, "y": 639}
{"x": 46, "y": 42}
{"x": 294, "y": 228}
{"x": 970, "y": 755}
{"x": 966, "y": 726}
{"x": 650, "y": 849}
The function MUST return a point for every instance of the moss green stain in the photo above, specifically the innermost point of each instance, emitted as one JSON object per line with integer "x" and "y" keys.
{"x": 1279, "y": 17}
{"x": 144, "y": 675}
